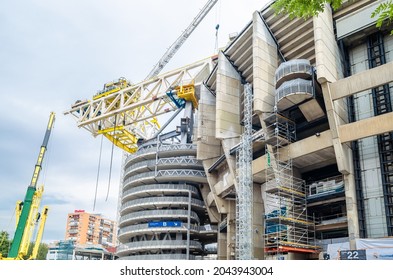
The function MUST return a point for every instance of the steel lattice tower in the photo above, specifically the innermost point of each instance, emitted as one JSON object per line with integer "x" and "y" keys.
{"x": 244, "y": 197}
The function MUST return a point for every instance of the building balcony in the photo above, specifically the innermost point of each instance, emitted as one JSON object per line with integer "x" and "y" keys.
{"x": 135, "y": 230}
{"x": 157, "y": 245}
{"x": 163, "y": 163}
{"x": 154, "y": 215}
{"x": 163, "y": 176}
{"x": 150, "y": 151}
{"x": 159, "y": 190}
{"x": 160, "y": 202}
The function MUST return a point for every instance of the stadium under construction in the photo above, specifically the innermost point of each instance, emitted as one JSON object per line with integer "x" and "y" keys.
{"x": 278, "y": 147}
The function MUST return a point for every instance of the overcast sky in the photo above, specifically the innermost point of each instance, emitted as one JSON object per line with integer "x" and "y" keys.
{"x": 53, "y": 53}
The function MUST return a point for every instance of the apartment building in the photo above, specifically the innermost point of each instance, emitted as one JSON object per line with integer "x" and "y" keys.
{"x": 86, "y": 228}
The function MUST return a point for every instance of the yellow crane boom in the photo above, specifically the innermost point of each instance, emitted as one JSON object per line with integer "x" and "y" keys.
{"x": 40, "y": 232}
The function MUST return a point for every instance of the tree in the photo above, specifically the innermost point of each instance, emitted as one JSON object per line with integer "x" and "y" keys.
{"x": 305, "y": 9}
{"x": 302, "y": 8}
{"x": 5, "y": 246}
{"x": 4, "y": 243}
{"x": 384, "y": 12}
{"x": 42, "y": 251}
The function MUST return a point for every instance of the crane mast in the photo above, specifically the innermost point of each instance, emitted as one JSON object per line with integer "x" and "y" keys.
{"x": 32, "y": 198}
{"x": 180, "y": 40}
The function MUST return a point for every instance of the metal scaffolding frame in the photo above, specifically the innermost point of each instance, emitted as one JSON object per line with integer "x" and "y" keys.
{"x": 244, "y": 193}
{"x": 288, "y": 228}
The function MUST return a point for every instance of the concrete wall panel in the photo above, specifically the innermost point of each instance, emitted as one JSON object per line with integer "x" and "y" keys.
{"x": 265, "y": 62}
{"x": 326, "y": 51}
{"x": 227, "y": 100}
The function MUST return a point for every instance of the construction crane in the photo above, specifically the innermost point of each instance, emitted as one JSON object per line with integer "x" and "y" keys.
{"x": 27, "y": 215}
{"x": 127, "y": 113}
{"x": 180, "y": 40}
{"x": 130, "y": 115}
{"x": 40, "y": 233}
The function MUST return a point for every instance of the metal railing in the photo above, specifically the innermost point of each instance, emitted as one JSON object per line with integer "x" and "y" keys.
{"x": 158, "y": 257}
{"x": 152, "y": 148}
{"x": 155, "y": 201}
{"x": 164, "y": 162}
{"x": 183, "y": 227}
{"x": 181, "y": 173}
{"x": 158, "y": 244}
{"x": 157, "y": 214}
{"x": 148, "y": 190}
{"x": 186, "y": 173}
{"x": 296, "y": 66}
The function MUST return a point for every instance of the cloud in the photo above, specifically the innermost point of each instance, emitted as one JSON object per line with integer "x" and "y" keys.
{"x": 56, "y": 52}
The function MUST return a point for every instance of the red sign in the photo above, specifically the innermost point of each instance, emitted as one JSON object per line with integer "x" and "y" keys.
{"x": 79, "y": 211}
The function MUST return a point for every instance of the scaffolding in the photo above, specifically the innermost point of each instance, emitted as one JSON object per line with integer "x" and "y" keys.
{"x": 288, "y": 228}
{"x": 244, "y": 194}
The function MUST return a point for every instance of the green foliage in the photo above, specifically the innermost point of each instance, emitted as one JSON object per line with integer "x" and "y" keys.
{"x": 5, "y": 246}
{"x": 42, "y": 251}
{"x": 304, "y": 8}
{"x": 4, "y": 243}
{"x": 384, "y": 12}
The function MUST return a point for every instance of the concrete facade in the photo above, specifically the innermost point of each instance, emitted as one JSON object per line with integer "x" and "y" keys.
{"x": 162, "y": 215}
{"x": 322, "y": 145}
{"x": 326, "y": 154}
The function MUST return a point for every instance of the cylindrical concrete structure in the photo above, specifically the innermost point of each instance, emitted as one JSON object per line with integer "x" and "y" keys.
{"x": 162, "y": 214}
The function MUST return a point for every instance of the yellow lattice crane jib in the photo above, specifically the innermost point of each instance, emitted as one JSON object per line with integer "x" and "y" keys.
{"x": 112, "y": 87}
{"x": 121, "y": 137}
{"x": 155, "y": 122}
{"x": 125, "y": 139}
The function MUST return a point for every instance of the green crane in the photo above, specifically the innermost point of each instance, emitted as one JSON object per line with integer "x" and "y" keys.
{"x": 33, "y": 195}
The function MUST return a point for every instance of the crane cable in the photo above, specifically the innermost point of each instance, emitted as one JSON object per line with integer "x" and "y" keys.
{"x": 111, "y": 162}
{"x": 218, "y": 18}
{"x": 98, "y": 174}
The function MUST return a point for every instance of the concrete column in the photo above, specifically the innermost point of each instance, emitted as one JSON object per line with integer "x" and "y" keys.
{"x": 265, "y": 62}
{"x": 209, "y": 148}
{"x": 327, "y": 54}
{"x": 231, "y": 231}
{"x": 328, "y": 71}
{"x": 227, "y": 100}
{"x": 228, "y": 130}
{"x": 352, "y": 210}
{"x": 258, "y": 223}
{"x": 212, "y": 210}
{"x": 222, "y": 246}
